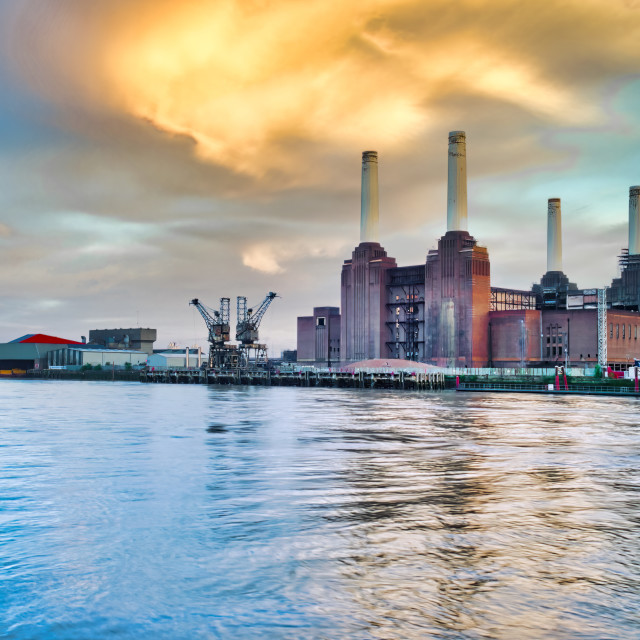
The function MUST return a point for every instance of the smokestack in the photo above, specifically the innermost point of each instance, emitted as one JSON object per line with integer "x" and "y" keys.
{"x": 457, "y": 182}
{"x": 634, "y": 220}
{"x": 369, "y": 197}
{"x": 554, "y": 236}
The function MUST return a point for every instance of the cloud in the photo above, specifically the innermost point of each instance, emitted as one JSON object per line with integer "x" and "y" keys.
{"x": 164, "y": 150}
{"x": 249, "y": 81}
{"x": 272, "y": 257}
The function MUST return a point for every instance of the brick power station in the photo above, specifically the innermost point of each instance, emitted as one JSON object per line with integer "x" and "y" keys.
{"x": 445, "y": 311}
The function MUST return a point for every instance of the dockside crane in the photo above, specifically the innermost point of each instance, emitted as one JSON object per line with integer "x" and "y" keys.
{"x": 247, "y": 331}
{"x": 229, "y": 356}
{"x": 221, "y": 354}
{"x": 249, "y": 321}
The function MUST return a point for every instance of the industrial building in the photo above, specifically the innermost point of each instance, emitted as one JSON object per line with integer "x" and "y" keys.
{"x": 136, "y": 339}
{"x": 319, "y": 336}
{"x": 107, "y": 348}
{"x": 445, "y": 311}
{"x": 42, "y": 351}
{"x": 29, "y": 352}
{"x": 78, "y": 356}
{"x": 175, "y": 358}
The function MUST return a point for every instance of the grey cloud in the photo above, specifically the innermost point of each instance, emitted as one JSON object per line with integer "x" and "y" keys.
{"x": 76, "y": 153}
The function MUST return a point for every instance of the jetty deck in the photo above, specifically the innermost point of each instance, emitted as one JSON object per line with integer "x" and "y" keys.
{"x": 338, "y": 379}
{"x": 418, "y": 381}
{"x": 574, "y": 389}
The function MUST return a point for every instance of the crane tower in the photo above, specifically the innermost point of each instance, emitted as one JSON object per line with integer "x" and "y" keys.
{"x": 249, "y": 352}
{"x": 248, "y": 321}
{"x": 221, "y": 354}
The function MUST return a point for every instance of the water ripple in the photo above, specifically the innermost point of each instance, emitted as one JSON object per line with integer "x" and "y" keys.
{"x": 159, "y": 511}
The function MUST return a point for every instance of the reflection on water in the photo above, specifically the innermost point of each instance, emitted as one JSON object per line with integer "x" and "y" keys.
{"x": 157, "y": 511}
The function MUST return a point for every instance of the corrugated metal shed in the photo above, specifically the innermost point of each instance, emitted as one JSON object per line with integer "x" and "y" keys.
{"x": 93, "y": 355}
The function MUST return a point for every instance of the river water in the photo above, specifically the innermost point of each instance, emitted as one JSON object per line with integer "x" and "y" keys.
{"x": 187, "y": 511}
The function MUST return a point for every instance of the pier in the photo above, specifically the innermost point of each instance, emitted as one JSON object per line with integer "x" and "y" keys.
{"x": 573, "y": 389}
{"x": 337, "y": 379}
{"x": 362, "y": 379}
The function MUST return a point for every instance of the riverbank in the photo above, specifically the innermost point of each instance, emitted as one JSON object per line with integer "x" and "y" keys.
{"x": 62, "y": 374}
{"x": 360, "y": 379}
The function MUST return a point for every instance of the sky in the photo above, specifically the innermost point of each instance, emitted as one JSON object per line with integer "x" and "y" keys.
{"x": 153, "y": 151}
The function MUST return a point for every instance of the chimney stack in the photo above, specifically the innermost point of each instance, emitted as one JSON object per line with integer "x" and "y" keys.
{"x": 457, "y": 182}
{"x": 554, "y": 236}
{"x": 369, "y": 197}
{"x": 634, "y": 220}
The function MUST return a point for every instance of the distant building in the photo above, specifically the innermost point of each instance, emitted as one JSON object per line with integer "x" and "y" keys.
{"x": 319, "y": 336}
{"x": 290, "y": 355}
{"x": 135, "y": 339}
{"x": 363, "y": 294}
{"x": 29, "y": 352}
{"x": 174, "y": 358}
{"x": 530, "y": 337}
{"x": 445, "y": 312}
{"x": 77, "y": 356}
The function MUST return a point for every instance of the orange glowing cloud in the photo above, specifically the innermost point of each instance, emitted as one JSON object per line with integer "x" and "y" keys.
{"x": 251, "y": 82}
{"x": 272, "y": 257}
{"x": 240, "y": 78}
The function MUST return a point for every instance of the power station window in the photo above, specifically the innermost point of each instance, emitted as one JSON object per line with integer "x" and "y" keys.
{"x": 623, "y": 332}
{"x": 321, "y": 321}
{"x": 629, "y": 334}
{"x": 611, "y": 330}
{"x": 617, "y": 331}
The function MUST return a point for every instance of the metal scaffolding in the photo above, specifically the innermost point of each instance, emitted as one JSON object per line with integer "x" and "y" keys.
{"x": 602, "y": 327}
{"x": 405, "y": 326}
{"x": 511, "y": 299}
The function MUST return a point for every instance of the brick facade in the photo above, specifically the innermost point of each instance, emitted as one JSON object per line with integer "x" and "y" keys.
{"x": 363, "y": 303}
{"x": 457, "y": 300}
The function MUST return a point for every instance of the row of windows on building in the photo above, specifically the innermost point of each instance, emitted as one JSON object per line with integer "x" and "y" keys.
{"x": 557, "y": 352}
{"x": 622, "y": 331}
{"x": 626, "y": 331}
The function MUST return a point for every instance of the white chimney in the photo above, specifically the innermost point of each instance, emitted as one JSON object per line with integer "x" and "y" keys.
{"x": 554, "y": 235}
{"x": 369, "y": 197}
{"x": 457, "y": 182}
{"x": 634, "y": 220}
